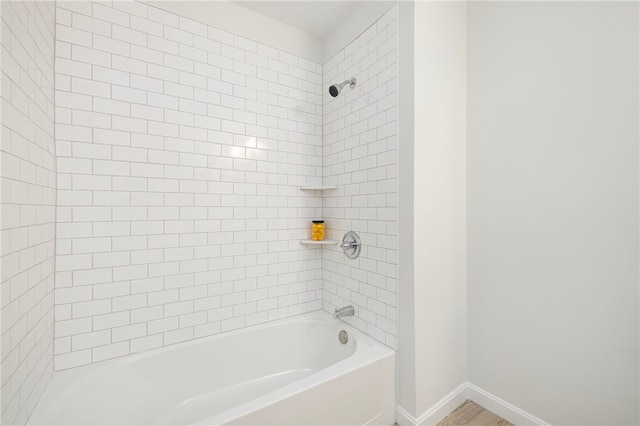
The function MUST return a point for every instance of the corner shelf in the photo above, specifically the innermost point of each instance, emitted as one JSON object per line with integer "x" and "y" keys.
{"x": 309, "y": 242}
{"x": 318, "y": 188}
{"x": 318, "y": 243}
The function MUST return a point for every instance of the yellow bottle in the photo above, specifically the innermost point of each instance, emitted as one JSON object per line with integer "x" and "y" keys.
{"x": 317, "y": 230}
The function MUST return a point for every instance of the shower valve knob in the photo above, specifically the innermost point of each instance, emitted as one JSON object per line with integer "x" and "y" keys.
{"x": 346, "y": 245}
{"x": 351, "y": 245}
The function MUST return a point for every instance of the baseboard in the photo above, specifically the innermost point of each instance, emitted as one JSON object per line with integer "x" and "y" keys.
{"x": 502, "y": 408}
{"x": 403, "y": 417}
{"x": 456, "y": 397}
{"x": 374, "y": 420}
{"x": 437, "y": 412}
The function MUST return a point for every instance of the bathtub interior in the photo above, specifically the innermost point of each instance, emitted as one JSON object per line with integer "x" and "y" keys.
{"x": 192, "y": 381}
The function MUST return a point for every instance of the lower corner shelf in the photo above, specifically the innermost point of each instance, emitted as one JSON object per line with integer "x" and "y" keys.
{"x": 318, "y": 243}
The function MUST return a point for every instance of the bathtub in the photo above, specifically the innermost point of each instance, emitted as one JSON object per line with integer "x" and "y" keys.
{"x": 292, "y": 371}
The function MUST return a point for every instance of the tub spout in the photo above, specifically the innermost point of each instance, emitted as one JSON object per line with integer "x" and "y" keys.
{"x": 346, "y": 311}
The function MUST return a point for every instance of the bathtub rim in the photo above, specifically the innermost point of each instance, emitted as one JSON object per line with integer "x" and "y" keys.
{"x": 367, "y": 351}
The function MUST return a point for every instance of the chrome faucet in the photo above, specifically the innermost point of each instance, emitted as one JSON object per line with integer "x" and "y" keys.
{"x": 346, "y": 311}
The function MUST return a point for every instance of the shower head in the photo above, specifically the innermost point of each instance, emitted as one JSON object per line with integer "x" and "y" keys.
{"x": 337, "y": 88}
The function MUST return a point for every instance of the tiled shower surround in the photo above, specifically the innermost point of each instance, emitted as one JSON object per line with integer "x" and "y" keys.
{"x": 28, "y": 205}
{"x": 360, "y": 157}
{"x": 181, "y": 149}
{"x": 180, "y": 152}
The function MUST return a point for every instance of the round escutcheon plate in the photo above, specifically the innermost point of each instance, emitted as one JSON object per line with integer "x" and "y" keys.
{"x": 343, "y": 337}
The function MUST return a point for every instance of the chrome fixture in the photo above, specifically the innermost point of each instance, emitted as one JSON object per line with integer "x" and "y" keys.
{"x": 343, "y": 337}
{"x": 335, "y": 89}
{"x": 347, "y": 311}
{"x": 351, "y": 245}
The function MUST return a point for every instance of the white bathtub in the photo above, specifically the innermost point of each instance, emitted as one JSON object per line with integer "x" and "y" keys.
{"x": 292, "y": 371}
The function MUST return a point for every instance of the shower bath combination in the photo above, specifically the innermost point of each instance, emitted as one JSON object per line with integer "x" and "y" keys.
{"x": 160, "y": 309}
{"x": 335, "y": 89}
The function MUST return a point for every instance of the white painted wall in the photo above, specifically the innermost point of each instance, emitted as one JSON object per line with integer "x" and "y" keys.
{"x": 405, "y": 368}
{"x": 439, "y": 200}
{"x": 438, "y": 290}
{"x": 553, "y": 208}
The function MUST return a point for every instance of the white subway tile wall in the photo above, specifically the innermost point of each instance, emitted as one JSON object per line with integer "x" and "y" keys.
{"x": 181, "y": 149}
{"x": 360, "y": 157}
{"x": 28, "y": 205}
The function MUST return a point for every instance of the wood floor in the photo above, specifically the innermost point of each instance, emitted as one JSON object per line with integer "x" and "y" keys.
{"x": 470, "y": 413}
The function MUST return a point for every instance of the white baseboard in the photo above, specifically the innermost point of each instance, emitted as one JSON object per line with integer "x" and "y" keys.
{"x": 437, "y": 412}
{"x": 502, "y": 408}
{"x": 456, "y": 397}
{"x": 403, "y": 417}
